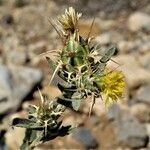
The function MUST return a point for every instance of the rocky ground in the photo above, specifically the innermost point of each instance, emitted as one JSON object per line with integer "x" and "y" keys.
{"x": 25, "y": 33}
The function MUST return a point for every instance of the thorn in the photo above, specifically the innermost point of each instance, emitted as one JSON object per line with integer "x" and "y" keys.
{"x": 90, "y": 29}
{"x": 92, "y": 105}
{"x": 58, "y": 66}
{"x": 45, "y": 130}
{"x": 45, "y": 53}
{"x": 41, "y": 96}
{"x": 115, "y": 62}
{"x": 62, "y": 39}
{"x": 113, "y": 70}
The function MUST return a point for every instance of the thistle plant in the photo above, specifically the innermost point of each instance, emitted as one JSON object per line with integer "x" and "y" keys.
{"x": 85, "y": 74}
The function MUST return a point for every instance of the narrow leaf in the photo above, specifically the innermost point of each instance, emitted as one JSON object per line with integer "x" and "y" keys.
{"x": 26, "y": 123}
{"x": 108, "y": 55}
{"x": 51, "y": 63}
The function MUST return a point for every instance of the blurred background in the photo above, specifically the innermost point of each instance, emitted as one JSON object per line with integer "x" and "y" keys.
{"x": 25, "y": 33}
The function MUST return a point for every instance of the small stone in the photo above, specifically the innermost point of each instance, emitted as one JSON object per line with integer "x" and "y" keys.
{"x": 107, "y": 24}
{"x": 17, "y": 57}
{"x": 144, "y": 47}
{"x": 129, "y": 131}
{"x": 95, "y": 120}
{"x": 104, "y": 39}
{"x": 145, "y": 61}
{"x": 99, "y": 107}
{"x": 16, "y": 84}
{"x": 143, "y": 94}
{"x": 85, "y": 137}
{"x": 141, "y": 111}
{"x": 113, "y": 112}
{"x": 128, "y": 46}
{"x": 24, "y": 79}
{"x": 139, "y": 21}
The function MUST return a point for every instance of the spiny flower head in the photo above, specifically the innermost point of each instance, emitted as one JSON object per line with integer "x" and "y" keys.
{"x": 69, "y": 19}
{"x": 112, "y": 87}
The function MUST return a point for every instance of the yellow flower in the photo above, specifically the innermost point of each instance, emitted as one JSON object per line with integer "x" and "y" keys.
{"x": 69, "y": 19}
{"x": 113, "y": 86}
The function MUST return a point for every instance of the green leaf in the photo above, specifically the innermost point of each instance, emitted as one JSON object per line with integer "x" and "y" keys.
{"x": 76, "y": 100}
{"x": 108, "y": 55}
{"x": 51, "y": 63}
{"x": 82, "y": 41}
{"x": 99, "y": 67}
{"x": 26, "y": 123}
{"x": 77, "y": 95}
{"x": 64, "y": 102}
{"x": 76, "y": 104}
{"x": 32, "y": 109}
{"x": 31, "y": 139}
{"x": 66, "y": 88}
{"x": 78, "y": 61}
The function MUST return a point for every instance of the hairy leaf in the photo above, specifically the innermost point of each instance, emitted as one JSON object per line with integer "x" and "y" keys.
{"x": 108, "y": 55}
{"x": 26, "y": 123}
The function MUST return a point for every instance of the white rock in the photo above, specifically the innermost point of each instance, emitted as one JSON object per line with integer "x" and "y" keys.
{"x": 16, "y": 84}
{"x": 128, "y": 46}
{"x": 145, "y": 47}
{"x": 17, "y": 57}
{"x": 138, "y": 21}
{"x": 145, "y": 61}
{"x": 141, "y": 111}
{"x": 143, "y": 94}
{"x": 104, "y": 39}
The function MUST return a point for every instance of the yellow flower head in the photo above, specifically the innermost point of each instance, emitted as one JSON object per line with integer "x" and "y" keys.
{"x": 69, "y": 19}
{"x": 113, "y": 85}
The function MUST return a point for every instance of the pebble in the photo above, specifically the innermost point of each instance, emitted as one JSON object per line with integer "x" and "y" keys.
{"x": 129, "y": 131}
{"x": 128, "y": 46}
{"x": 104, "y": 39}
{"x": 143, "y": 94}
{"x": 16, "y": 84}
{"x": 85, "y": 137}
{"x": 113, "y": 112}
{"x": 145, "y": 61}
{"x": 17, "y": 57}
{"x": 139, "y": 21}
{"x": 141, "y": 111}
{"x": 145, "y": 47}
